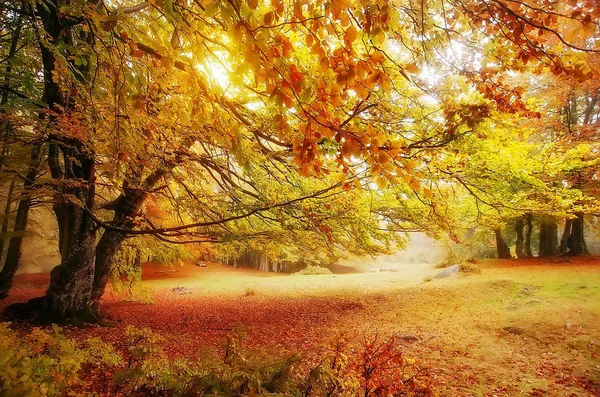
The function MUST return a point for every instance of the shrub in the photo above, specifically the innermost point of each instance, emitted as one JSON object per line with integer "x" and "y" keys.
{"x": 46, "y": 362}
{"x": 377, "y": 368}
{"x": 313, "y": 271}
{"x": 237, "y": 372}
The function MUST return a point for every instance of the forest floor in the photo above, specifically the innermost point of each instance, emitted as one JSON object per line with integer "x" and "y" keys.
{"x": 521, "y": 327}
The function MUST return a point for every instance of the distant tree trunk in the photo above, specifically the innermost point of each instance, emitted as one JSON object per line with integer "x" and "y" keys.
{"x": 13, "y": 255}
{"x": 6, "y": 218}
{"x": 528, "y": 232}
{"x": 576, "y": 241}
{"x": 501, "y": 246}
{"x": 566, "y": 236}
{"x": 520, "y": 238}
{"x": 7, "y": 273}
{"x": 548, "y": 239}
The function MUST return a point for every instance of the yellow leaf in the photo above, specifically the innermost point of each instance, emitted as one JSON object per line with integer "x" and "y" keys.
{"x": 414, "y": 184}
{"x": 378, "y": 140}
{"x": 324, "y": 64}
{"x": 381, "y": 182}
{"x": 339, "y": 176}
{"x": 427, "y": 193}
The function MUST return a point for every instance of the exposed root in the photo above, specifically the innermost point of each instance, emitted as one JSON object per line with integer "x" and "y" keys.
{"x": 29, "y": 311}
{"x": 87, "y": 315}
{"x": 35, "y": 310}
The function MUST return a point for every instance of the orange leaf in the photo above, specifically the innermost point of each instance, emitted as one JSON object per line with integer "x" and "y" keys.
{"x": 350, "y": 35}
{"x": 268, "y": 18}
{"x": 412, "y": 68}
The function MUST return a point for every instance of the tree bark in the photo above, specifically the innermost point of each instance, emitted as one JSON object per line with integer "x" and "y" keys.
{"x": 566, "y": 236}
{"x": 501, "y": 246}
{"x": 548, "y": 239}
{"x": 576, "y": 241}
{"x": 72, "y": 165}
{"x": 127, "y": 206}
{"x": 520, "y": 238}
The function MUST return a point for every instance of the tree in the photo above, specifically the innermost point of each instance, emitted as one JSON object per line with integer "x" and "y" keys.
{"x": 220, "y": 94}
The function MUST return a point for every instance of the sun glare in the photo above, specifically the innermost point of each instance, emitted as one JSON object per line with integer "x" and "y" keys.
{"x": 216, "y": 73}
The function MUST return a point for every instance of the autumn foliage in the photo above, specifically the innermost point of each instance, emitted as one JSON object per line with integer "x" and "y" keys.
{"x": 44, "y": 363}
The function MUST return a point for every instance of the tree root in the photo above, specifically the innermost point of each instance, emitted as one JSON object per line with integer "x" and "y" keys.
{"x": 35, "y": 311}
{"x": 29, "y": 311}
{"x": 87, "y": 315}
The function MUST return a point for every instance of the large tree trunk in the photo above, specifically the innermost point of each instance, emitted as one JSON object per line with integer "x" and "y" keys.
{"x": 501, "y": 246}
{"x": 520, "y": 238}
{"x": 69, "y": 293}
{"x": 566, "y": 236}
{"x": 106, "y": 250}
{"x": 126, "y": 208}
{"x": 72, "y": 166}
{"x": 548, "y": 239}
{"x": 68, "y": 298}
{"x": 576, "y": 241}
{"x": 528, "y": 232}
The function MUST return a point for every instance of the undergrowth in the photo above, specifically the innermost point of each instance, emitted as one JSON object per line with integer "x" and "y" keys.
{"x": 43, "y": 363}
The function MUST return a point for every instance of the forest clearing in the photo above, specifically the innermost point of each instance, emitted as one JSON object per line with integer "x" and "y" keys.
{"x": 526, "y": 327}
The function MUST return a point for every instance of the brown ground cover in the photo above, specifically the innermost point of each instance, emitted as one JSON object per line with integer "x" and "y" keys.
{"x": 521, "y": 327}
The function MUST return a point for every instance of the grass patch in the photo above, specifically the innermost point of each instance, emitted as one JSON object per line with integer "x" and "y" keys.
{"x": 469, "y": 268}
{"x": 313, "y": 271}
